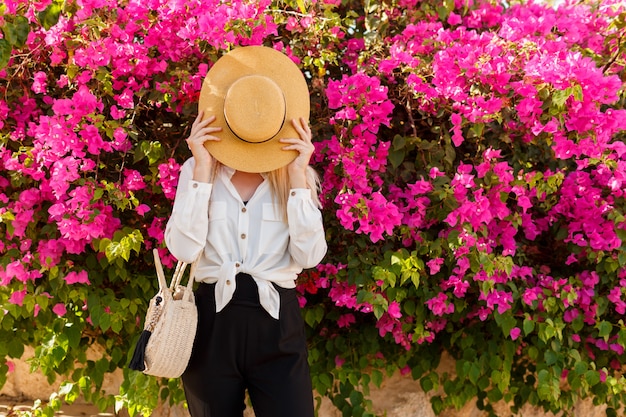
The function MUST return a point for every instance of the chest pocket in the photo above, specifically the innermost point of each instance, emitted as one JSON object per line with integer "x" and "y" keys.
{"x": 217, "y": 211}
{"x": 218, "y": 227}
{"x": 274, "y": 231}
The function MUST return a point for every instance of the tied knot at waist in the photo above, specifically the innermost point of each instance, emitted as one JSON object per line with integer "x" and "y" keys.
{"x": 226, "y": 284}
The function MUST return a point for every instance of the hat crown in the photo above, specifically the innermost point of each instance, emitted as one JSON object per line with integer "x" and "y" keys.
{"x": 254, "y": 93}
{"x": 254, "y": 108}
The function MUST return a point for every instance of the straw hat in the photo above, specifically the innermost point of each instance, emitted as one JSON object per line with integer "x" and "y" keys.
{"x": 254, "y": 92}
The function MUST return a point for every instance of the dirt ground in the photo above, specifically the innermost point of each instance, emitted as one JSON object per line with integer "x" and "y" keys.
{"x": 399, "y": 396}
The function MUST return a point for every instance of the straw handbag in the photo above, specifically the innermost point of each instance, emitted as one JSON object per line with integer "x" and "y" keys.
{"x": 164, "y": 347}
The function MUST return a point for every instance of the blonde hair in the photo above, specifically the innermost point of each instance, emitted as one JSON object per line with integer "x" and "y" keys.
{"x": 280, "y": 187}
{"x": 279, "y": 184}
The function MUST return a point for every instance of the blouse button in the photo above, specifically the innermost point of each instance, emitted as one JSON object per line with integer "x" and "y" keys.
{"x": 243, "y": 235}
{"x": 237, "y": 265}
{"x": 293, "y": 193}
{"x": 243, "y": 210}
{"x": 195, "y": 185}
{"x": 227, "y": 282}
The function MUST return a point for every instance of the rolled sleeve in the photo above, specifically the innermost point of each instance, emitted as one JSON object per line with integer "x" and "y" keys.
{"x": 307, "y": 241}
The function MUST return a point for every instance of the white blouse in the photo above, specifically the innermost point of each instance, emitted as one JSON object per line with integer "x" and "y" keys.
{"x": 251, "y": 238}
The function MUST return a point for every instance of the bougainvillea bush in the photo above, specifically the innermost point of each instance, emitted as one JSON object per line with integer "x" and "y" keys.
{"x": 473, "y": 170}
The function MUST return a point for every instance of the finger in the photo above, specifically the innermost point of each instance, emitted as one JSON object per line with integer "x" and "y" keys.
{"x": 206, "y": 131}
{"x": 298, "y": 148}
{"x": 209, "y": 129}
{"x": 290, "y": 140}
{"x": 202, "y": 141}
{"x": 201, "y": 122}
{"x": 305, "y": 126}
{"x": 301, "y": 148}
{"x": 302, "y": 128}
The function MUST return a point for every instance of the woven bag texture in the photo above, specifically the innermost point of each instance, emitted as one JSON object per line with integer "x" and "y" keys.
{"x": 169, "y": 348}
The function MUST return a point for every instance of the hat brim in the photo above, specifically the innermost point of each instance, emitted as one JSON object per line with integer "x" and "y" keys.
{"x": 230, "y": 150}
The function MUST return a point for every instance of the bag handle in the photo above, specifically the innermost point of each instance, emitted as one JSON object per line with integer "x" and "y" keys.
{"x": 178, "y": 274}
{"x": 159, "y": 269}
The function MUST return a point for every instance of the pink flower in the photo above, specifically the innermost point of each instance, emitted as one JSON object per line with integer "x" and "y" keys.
{"x": 345, "y": 320}
{"x": 63, "y": 81}
{"x": 530, "y": 295}
{"x": 59, "y": 309}
{"x": 168, "y": 177}
{"x": 454, "y": 19}
{"x": 155, "y": 230}
{"x": 77, "y": 278}
{"x": 116, "y": 113}
{"x": 301, "y": 301}
{"x": 14, "y": 269}
{"x": 126, "y": 99}
{"x": 121, "y": 142}
{"x": 339, "y": 361}
{"x": 434, "y": 172}
{"x": 439, "y": 305}
{"x": 142, "y": 209}
{"x": 17, "y": 297}
{"x": 40, "y": 82}
{"x": 394, "y": 310}
{"x": 343, "y": 295}
{"x": 95, "y": 144}
{"x": 133, "y": 180}
{"x": 434, "y": 265}
{"x": 515, "y": 332}
{"x": 457, "y": 136}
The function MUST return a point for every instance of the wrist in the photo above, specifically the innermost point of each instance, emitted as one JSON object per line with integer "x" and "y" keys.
{"x": 202, "y": 173}
{"x": 297, "y": 178}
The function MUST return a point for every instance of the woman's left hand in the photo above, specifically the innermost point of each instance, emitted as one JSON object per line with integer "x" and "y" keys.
{"x": 305, "y": 148}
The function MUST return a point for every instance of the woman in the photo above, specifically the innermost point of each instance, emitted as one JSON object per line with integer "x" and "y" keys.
{"x": 261, "y": 230}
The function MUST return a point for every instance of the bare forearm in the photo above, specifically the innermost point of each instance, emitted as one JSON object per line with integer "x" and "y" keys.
{"x": 202, "y": 172}
{"x": 297, "y": 178}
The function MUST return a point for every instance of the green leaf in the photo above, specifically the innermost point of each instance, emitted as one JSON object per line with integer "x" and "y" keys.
{"x": 550, "y": 357}
{"x": 592, "y": 377}
{"x": 16, "y": 32}
{"x": 559, "y": 97}
{"x": 377, "y": 377}
{"x": 396, "y": 157}
{"x": 105, "y": 322}
{"x": 474, "y": 373}
{"x": 604, "y": 329}
{"x": 15, "y": 348}
{"x": 5, "y": 53}
{"x": 50, "y": 16}
{"x": 427, "y": 384}
{"x": 384, "y": 275}
{"x": 529, "y": 326}
{"x": 399, "y": 142}
{"x": 508, "y": 323}
{"x": 117, "y": 325}
{"x": 301, "y": 6}
{"x": 73, "y": 335}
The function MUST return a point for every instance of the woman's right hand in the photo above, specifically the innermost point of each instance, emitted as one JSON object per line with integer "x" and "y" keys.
{"x": 201, "y": 132}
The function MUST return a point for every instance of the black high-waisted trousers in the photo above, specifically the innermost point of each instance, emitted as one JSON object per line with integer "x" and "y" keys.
{"x": 243, "y": 347}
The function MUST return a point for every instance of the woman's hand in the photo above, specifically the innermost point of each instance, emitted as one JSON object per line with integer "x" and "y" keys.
{"x": 305, "y": 148}
{"x": 201, "y": 132}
